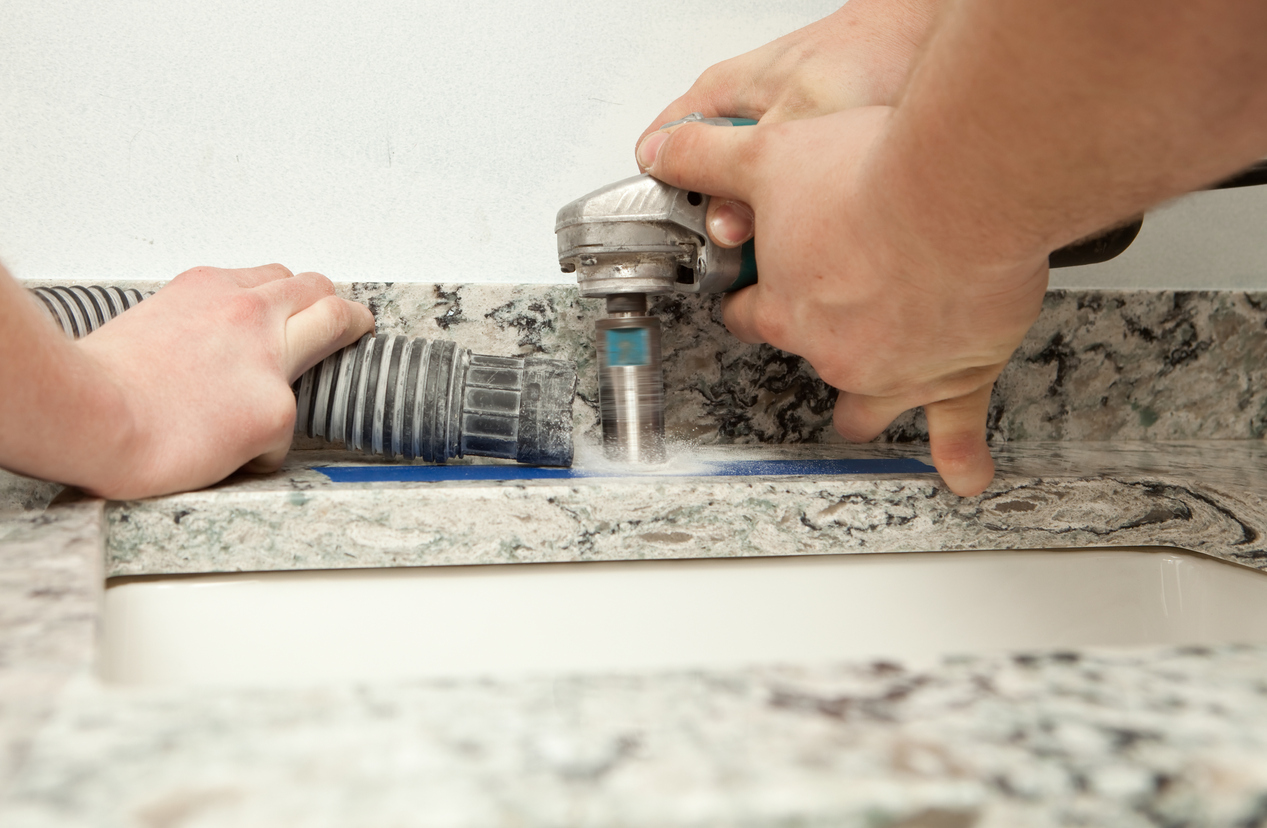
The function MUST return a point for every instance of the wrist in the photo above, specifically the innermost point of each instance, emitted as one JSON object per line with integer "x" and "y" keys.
{"x": 109, "y": 435}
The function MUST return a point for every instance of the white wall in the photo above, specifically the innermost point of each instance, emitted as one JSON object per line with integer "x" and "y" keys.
{"x": 1204, "y": 240}
{"x": 385, "y": 139}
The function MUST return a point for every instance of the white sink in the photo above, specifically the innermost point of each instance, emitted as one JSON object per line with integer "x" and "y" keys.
{"x": 542, "y": 619}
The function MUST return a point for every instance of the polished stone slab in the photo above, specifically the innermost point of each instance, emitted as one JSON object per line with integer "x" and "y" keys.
{"x": 1209, "y": 497}
{"x": 50, "y": 588}
{"x": 1123, "y": 739}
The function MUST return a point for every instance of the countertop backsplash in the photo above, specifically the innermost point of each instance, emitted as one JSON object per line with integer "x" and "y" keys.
{"x": 1098, "y": 365}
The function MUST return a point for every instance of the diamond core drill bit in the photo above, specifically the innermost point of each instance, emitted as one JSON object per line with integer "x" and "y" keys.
{"x": 625, "y": 242}
{"x": 630, "y": 382}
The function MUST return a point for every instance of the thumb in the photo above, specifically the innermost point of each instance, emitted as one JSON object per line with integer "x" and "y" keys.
{"x": 716, "y": 160}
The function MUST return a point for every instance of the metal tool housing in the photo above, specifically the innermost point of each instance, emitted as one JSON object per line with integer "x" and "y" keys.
{"x": 640, "y": 235}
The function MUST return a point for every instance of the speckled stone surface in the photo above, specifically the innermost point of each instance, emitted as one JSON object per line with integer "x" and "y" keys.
{"x": 50, "y": 586}
{"x": 1098, "y": 738}
{"x": 1135, "y": 738}
{"x": 1175, "y": 738}
{"x": 1209, "y": 497}
{"x": 19, "y": 494}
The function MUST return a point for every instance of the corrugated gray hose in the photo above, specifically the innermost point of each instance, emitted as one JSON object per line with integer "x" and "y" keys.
{"x": 401, "y": 397}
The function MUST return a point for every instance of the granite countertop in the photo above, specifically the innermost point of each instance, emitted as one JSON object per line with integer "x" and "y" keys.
{"x": 1208, "y": 497}
{"x": 1134, "y": 737}
{"x": 1174, "y": 737}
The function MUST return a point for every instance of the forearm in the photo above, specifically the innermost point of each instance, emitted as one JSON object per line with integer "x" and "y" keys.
{"x": 65, "y": 420}
{"x": 1025, "y": 125}
{"x": 175, "y": 394}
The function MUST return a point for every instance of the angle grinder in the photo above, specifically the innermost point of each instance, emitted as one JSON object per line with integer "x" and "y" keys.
{"x": 629, "y": 240}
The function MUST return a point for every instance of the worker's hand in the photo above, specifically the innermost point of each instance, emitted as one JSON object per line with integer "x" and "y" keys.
{"x": 880, "y": 303}
{"x": 205, "y": 366}
{"x": 856, "y": 56}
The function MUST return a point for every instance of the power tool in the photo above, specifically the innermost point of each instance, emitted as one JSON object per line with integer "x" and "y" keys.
{"x": 629, "y": 240}
{"x": 640, "y": 237}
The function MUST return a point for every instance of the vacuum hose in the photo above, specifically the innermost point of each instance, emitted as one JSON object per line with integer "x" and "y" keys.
{"x": 400, "y": 397}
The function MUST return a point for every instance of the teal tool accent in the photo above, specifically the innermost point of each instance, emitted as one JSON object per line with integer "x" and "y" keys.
{"x": 747, "y": 267}
{"x": 628, "y": 347}
{"x": 696, "y": 118}
{"x": 748, "y": 262}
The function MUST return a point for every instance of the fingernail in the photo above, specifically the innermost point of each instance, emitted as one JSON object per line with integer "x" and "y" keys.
{"x": 731, "y": 224}
{"x": 649, "y": 147}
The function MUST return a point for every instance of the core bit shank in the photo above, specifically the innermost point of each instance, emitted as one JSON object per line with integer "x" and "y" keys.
{"x": 630, "y": 383}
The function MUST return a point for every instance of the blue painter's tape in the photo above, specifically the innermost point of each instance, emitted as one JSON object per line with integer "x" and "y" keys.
{"x": 437, "y": 473}
{"x": 629, "y": 347}
{"x": 896, "y": 466}
{"x": 884, "y": 465}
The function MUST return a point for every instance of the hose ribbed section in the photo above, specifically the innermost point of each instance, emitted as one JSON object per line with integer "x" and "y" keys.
{"x": 81, "y": 310}
{"x": 432, "y": 400}
{"x": 400, "y": 397}
{"x": 386, "y": 395}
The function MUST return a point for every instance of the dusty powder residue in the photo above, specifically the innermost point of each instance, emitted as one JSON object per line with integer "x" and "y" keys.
{"x": 682, "y": 457}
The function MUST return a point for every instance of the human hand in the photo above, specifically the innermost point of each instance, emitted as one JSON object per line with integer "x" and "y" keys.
{"x": 205, "y": 368}
{"x": 886, "y": 308}
{"x": 857, "y": 56}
